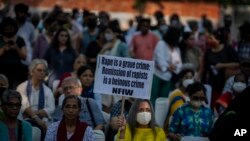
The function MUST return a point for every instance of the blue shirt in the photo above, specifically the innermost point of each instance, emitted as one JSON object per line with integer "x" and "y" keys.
{"x": 187, "y": 122}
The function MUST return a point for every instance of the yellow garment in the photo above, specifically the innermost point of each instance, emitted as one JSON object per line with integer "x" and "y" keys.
{"x": 143, "y": 134}
{"x": 174, "y": 105}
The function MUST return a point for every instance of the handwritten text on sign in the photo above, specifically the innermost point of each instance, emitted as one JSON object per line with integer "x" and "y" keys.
{"x": 123, "y": 76}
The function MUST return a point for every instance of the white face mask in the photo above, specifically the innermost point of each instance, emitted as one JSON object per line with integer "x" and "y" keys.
{"x": 239, "y": 86}
{"x": 187, "y": 82}
{"x": 196, "y": 103}
{"x": 108, "y": 36}
{"x": 143, "y": 118}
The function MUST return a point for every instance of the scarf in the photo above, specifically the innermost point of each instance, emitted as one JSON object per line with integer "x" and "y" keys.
{"x": 78, "y": 133}
{"x": 89, "y": 92}
{"x": 41, "y": 94}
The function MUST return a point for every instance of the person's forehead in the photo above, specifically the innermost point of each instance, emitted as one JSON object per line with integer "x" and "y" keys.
{"x": 71, "y": 101}
{"x": 13, "y": 100}
{"x": 144, "y": 105}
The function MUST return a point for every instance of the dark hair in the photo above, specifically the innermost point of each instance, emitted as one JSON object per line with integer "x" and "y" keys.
{"x": 83, "y": 68}
{"x": 114, "y": 26}
{"x": 21, "y": 7}
{"x": 158, "y": 14}
{"x": 172, "y": 36}
{"x": 72, "y": 97}
{"x": 144, "y": 20}
{"x": 8, "y": 22}
{"x": 185, "y": 71}
{"x": 195, "y": 87}
{"x": 8, "y": 94}
{"x": 241, "y": 74}
{"x": 55, "y": 41}
{"x": 132, "y": 117}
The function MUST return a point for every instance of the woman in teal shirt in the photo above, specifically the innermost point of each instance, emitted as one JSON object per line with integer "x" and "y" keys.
{"x": 12, "y": 129}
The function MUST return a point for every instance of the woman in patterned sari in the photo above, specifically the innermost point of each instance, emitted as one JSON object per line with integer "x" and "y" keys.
{"x": 193, "y": 118}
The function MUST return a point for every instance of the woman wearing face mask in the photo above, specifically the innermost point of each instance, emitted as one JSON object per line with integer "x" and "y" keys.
{"x": 192, "y": 118}
{"x": 240, "y": 83}
{"x": 179, "y": 96}
{"x": 141, "y": 125}
{"x": 114, "y": 45}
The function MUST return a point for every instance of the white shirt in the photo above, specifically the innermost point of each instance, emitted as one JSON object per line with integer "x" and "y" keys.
{"x": 49, "y": 105}
{"x": 163, "y": 56}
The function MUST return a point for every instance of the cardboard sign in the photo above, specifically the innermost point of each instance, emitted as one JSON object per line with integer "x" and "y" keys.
{"x": 124, "y": 77}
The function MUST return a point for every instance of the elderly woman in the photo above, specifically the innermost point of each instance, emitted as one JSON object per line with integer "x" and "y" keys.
{"x": 11, "y": 128}
{"x": 70, "y": 128}
{"x": 192, "y": 118}
{"x": 141, "y": 124}
{"x": 38, "y": 102}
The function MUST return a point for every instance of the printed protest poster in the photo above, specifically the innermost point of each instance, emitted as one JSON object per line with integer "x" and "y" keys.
{"x": 124, "y": 76}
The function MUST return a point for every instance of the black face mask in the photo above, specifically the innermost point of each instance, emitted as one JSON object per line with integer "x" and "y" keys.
{"x": 91, "y": 24}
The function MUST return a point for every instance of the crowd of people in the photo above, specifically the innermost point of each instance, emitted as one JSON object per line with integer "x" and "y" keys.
{"x": 48, "y": 66}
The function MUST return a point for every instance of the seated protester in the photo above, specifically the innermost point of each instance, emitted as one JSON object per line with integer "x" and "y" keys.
{"x": 245, "y": 69}
{"x": 70, "y": 128}
{"x": 179, "y": 96}
{"x": 141, "y": 124}
{"x": 90, "y": 113}
{"x": 4, "y": 84}
{"x": 86, "y": 76}
{"x": 116, "y": 117}
{"x": 234, "y": 117}
{"x": 11, "y": 128}
{"x": 38, "y": 102}
{"x": 192, "y": 118}
{"x": 240, "y": 83}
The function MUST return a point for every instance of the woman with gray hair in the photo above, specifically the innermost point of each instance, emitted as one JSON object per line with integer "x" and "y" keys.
{"x": 12, "y": 128}
{"x": 38, "y": 102}
{"x": 141, "y": 124}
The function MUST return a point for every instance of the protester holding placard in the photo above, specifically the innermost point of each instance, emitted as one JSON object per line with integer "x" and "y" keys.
{"x": 141, "y": 125}
{"x": 116, "y": 116}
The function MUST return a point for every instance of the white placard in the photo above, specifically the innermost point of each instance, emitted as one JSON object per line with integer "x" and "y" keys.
{"x": 123, "y": 76}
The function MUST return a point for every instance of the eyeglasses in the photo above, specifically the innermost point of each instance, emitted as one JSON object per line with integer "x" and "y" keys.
{"x": 14, "y": 106}
{"x": 201, "y": 98}
{"x": 69, "y": 88}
